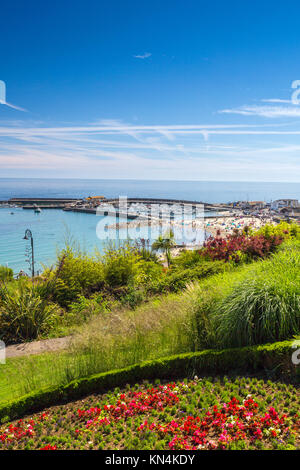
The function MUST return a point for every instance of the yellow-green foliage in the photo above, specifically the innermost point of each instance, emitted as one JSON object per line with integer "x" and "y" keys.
{"x": 6, "y": 274}
{"x": 188, "y": 259}
{"x": 283, "y": 229}
{"x": 86, "y": 270}
{"x": 149, "y": 271}
{"x": 79, "y": 274}
{"x": 120, "y": 265}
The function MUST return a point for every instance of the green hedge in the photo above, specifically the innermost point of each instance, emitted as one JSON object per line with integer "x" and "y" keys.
{"x": 276, "y": 357}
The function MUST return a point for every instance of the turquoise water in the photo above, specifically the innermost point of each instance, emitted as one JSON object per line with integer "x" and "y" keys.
{"x": 51, "y": 229}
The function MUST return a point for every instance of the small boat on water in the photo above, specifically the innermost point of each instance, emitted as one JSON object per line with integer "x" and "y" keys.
{"x": 37, "y": 210}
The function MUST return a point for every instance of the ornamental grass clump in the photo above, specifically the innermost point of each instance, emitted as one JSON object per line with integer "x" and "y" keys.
{"x": 264, "y": 306}
{"x": 124, "y": 337}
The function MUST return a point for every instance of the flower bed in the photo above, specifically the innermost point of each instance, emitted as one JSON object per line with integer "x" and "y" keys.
{"x": 197, "y": 414}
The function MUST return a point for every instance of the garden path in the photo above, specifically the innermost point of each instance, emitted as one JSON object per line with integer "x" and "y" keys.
{"x": 38, "y": 347}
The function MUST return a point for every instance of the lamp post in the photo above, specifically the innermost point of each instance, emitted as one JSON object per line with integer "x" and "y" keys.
{"x": 28, "y": 236}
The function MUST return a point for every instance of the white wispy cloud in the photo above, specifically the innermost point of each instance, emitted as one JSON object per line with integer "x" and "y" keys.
{"x": 143, "y": 56}
{"x": 112, "y": 148}
{"x": 264, "y": 111}
{"x": 139, "y": 132}
{"x": 276, "y": 100}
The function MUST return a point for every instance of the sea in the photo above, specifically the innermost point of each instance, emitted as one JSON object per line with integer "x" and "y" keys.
{"x": 52, "y": 229}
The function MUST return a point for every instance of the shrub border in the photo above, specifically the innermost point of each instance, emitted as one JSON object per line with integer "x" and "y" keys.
{"x": 275, "y": 357}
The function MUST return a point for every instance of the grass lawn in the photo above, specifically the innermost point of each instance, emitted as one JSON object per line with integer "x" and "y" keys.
{"x": 23, "y": 374}
{"x": 203, "y": 413}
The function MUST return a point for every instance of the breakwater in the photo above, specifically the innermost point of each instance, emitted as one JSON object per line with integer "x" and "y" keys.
{"x": 104, "y": 212}
{"x": 50, "y": 203}
{"x": 41, "y": 201}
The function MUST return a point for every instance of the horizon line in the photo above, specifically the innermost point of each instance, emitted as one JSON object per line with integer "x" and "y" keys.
{"x": 146, "y": 179}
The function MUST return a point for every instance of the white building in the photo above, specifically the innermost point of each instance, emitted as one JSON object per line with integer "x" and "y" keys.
{"x": 284, "y": 203}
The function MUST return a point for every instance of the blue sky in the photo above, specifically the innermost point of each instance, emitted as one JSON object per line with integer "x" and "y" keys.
{"x": 150, "y": 90}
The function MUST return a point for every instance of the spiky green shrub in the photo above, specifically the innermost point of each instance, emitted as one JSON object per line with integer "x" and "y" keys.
{"x": 24, "y": 315}
{"x": 188, "y": 259}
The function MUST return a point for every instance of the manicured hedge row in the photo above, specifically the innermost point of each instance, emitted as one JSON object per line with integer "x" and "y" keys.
{"x": 276, "y": 357}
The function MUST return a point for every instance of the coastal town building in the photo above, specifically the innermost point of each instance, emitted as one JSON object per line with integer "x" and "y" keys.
{"x": 249, "y": 205}
{"x": 285, "y": 204}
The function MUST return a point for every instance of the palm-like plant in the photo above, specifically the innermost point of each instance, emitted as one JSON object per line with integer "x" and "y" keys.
{"x": 165, "y": 243}
{"x": 24, "y": 315}
{"x": 27, "y": 310}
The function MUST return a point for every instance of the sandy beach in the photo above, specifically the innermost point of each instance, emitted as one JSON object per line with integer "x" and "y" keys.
{"x": 226, "y": 225}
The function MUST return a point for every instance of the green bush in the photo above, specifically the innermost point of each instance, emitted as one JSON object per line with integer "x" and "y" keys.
{"x": 80, "y": 274}
{"x": 188, "y": 259}
{"x": 24, "y": 315}
{"x": 177, "y": 279}
{"x": 126, "y": 274}
{"x": 120, "y": 266}
{"x": 148, "y": 272}
{"x": 133, "y": 297}
{"x": 284, "y": 229}
{"x": 84, "y": 308}
{"x": 119, "y": 272}
{"x": 6, "y": 274}
{"x": 67, "y": 291}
